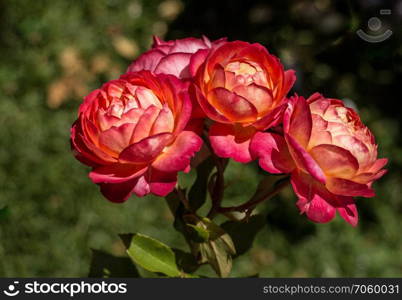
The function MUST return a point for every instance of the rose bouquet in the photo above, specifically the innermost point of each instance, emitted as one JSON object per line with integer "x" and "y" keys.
{"x": 196, "y": 103}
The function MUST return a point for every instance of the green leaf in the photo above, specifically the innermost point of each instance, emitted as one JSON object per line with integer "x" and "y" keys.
{"x": 219, "y": 249}
{"x": 244, "y": 232}
{"x": 153, "y": 255}
{"x": 216, "y": 254}
{"x": 198, "y": 192}
{"x": 104, "y": 265}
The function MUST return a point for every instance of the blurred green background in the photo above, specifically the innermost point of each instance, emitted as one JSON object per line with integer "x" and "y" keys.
{"x": 52, "y": 53}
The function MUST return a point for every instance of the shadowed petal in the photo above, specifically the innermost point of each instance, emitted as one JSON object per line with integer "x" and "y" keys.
{"x": 118, "y": 192}
{"x": 271, "y": 149}
{"x": 227, "y": 143}
{"x": 347, "y": 209}
{"x": 116, "y": 173}
{"x": 197, "y": 60}
{"x": 162, "y": 183}
{"x": 314, "y": 199}
{"x": 209, "y": 110}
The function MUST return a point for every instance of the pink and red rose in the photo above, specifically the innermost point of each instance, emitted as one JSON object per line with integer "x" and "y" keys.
{"x": 330, "y": 153}
{"x": 171, "y": 57}
{"x": 139, "y": 131}
{"x": 242, "y": 88}
{"x": 132, "y": 132}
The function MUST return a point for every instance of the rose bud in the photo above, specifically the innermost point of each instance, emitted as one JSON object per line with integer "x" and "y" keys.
{"x": 330, "y": 153}
{"x": 132, "y": 132}
{"x": 242, "y": 88}
{"x": 171, "y": 57}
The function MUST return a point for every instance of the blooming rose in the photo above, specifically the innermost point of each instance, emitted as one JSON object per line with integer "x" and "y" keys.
{"x": 330, "y": 153}
{"x": 242, "y": 88}
{"x": 133, "y": 133}
{"x": 171, "y": 57}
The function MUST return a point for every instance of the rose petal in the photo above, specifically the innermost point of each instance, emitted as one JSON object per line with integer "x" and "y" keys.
{"x": 301, "y": 122}
{"x": 228, "y": 143}
{"x": 142, "y": 187}
{"x": 188, "y": 45}
{"x": 147, "y": 98}
{"x": 314, "y": 199}
{"x": 218, "y": 79}
{"x": 145, "y": 150}
{"x": 335, "y": 161}
{"x": 271, "y": 149}
{"x": 164, "y": 122}
{"x": 273, "y": 118}
{"x": 145, "y": 123}
{"x": 196, "y": 60}
{"x": 234, "y": 107}
{"x": 344, "y": 187}
{"x": 355, "y": 146}
{"x": 146, "y": 61}
{"x": 378, "y": 165}
{"x": 347, "y": 209}
{"x": 177, "y": 156}
{"x": 209, "y": 110}
{"x": 118, "y": 192}
{"x": 259, "y": 96}
{"x": 175, "y": 64}
{"x": 117, "y": 138}
{"x": 303, "y": 159}
{"x": 290, "y": 78}
{"x": 162, "y": 183}
{"x": 116, "y": 173}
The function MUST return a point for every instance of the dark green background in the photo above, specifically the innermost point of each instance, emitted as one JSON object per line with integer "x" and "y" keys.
{"x": 54, "y": 52}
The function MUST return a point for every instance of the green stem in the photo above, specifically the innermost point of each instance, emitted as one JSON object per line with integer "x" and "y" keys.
{"x": 254, "y": 201}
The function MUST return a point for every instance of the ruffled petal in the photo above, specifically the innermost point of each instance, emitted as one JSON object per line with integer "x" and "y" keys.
{"x": 146, "y": 61}
{"x": 346, "y": 208}
{"x": 177, "y": 156}
{"x": 145, "y": 150}
{"x": 145, "y": 123}
{"x": 209, "y": 110}
{"x": 230, "y": 143}
{"x": 271, "y": 149}
{"x": 175, "y": 64}
{"x": 233, "y": 106}
{"x": 162, "y": 183}
{"x": 259, "y": 96}
{"x": 116, "y": 173}
{"x": 196, "y": 60}
{"x": 304, "y": 160}
{"x": 314, "y": 199}
{"x": 335, "y": 161}
{"x": 118, "y": 192}
{"x": 301, "y": 122}
{"x": 117, "y": 138}
{"x": 344, "y": 187}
